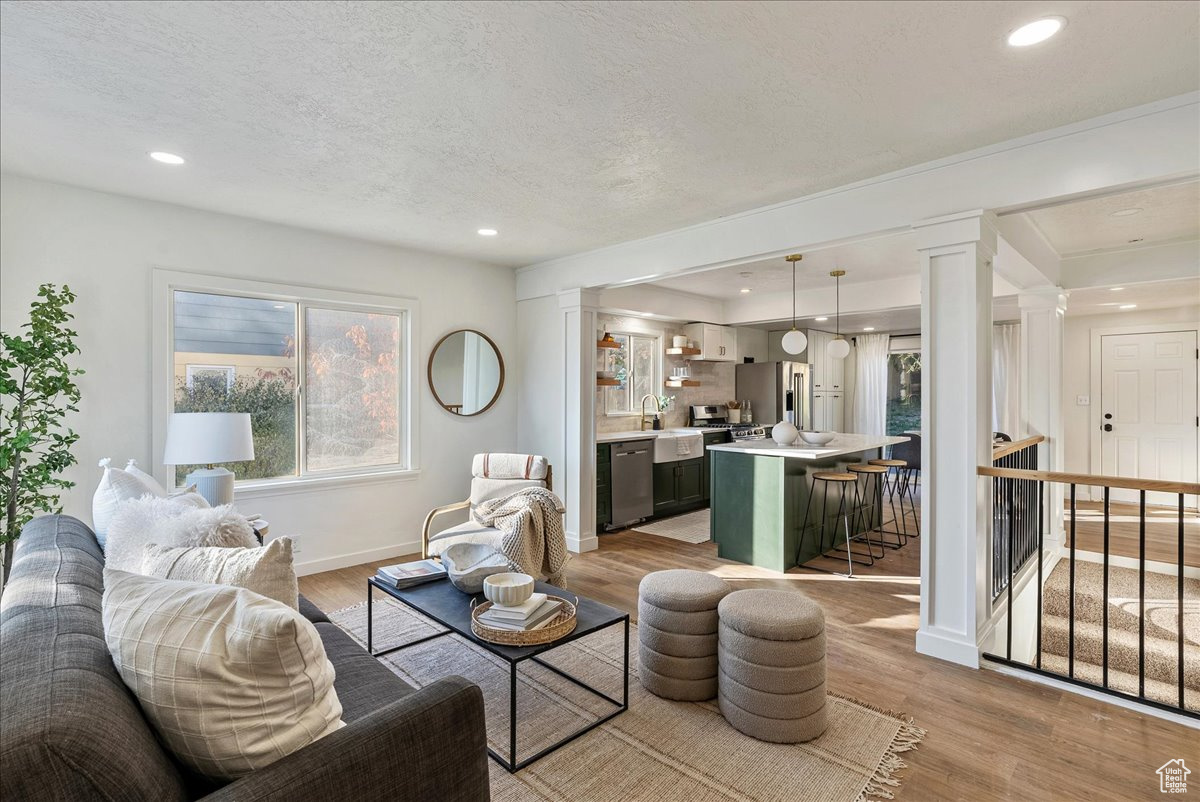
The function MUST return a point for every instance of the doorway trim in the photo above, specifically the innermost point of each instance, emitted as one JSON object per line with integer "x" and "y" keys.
{"x": 1095, "y": 463}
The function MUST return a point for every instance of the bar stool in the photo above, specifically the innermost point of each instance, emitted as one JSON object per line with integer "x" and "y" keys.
{"x": 874, "y": 477}
{"x": 845, "y": 481}
{"x": 900, "y": 483}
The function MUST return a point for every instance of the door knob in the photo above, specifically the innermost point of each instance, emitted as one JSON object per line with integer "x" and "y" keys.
{"x": 1108, "y": 427}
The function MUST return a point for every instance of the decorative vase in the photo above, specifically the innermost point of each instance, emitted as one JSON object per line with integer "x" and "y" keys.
{"x": 735, "y": 416}
{"x": 784, "y": 433}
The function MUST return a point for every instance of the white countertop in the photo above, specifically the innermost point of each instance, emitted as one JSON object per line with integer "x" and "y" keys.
{"x": 649, "y": 434}
{"x": 840, "y": 445}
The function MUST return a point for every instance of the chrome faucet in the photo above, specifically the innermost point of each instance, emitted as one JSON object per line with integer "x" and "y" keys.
{"x": 657, "y": 408}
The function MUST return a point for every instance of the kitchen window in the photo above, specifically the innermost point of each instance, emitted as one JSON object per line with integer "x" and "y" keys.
{"x": 638, "y": 366}
{"x": 323, "y": 374}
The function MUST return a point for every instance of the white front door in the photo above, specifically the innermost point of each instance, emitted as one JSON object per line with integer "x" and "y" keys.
{"x": 1148, "y": 401}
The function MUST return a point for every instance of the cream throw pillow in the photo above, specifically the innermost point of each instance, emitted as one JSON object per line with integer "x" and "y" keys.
{"x": 170, "y": 522}
{"x": 267, "y": 571}
{"x": 116, "y": 486}
{"x": 230, "y": 680}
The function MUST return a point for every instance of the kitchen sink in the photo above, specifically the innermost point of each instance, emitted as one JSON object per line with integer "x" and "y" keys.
{"x": 675, "y": 446}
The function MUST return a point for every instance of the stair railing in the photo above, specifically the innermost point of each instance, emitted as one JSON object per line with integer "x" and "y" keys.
{"x": 1010, "y": 537}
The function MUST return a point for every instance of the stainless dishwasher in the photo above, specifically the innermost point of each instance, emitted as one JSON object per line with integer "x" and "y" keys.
{"x": 632, "y": 482}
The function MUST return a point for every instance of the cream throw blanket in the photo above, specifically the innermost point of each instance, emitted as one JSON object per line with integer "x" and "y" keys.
{"x": 530, "y": 521}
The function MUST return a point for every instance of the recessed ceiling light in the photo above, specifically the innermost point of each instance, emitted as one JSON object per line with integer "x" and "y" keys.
{"x": 1125, "y": 212}
{"x": 820, "y": 319}
{"x": 1036, "y": 31}
{"x": 166, "y": 158}
{"x": 868, "y": 328}
{"x": 1115, "y": 289}
{"x": 1127, "y": 306}
{"x": 281, "y": 306}
{"x": 488, "y": 232}
{"x": 647, "y": 314}
{"x": 745, "y": 290}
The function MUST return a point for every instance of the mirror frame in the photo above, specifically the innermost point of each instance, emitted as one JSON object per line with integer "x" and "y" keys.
{"x": 429, "y": 373}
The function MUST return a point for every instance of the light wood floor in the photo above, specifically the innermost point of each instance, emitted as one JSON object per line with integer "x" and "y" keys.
{"x": 990, "y": 736}
{"x": 1162, "y": 531}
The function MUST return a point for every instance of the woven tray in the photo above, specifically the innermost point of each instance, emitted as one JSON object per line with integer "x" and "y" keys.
{"x": 560, "y": 626}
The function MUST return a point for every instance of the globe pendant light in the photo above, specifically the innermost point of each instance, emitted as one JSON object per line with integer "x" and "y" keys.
{"x": 794, "y": 341}
{"x": 839, "y": 348}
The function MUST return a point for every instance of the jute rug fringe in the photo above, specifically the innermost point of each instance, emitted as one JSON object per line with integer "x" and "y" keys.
{"x": 907, "y": 739}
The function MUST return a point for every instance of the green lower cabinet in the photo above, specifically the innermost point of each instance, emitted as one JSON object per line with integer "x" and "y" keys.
{"x": 603, "y": 485}
{"x": 679, "y": 486}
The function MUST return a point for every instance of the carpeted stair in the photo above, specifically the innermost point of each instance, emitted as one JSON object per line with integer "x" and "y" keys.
{"x": 1123, "y": 616}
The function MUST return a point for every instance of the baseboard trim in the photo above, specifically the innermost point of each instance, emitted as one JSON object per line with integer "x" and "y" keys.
{"x": 578, "y": 545}
{"x": 403, "y": 549}
{"x": 945, "y": 647}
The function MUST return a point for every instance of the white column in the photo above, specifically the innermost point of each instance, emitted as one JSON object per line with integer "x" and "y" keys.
{"x": 1043, "y": 314}
{"x": 956, "y": 367}
{"x": 575, "y": 480}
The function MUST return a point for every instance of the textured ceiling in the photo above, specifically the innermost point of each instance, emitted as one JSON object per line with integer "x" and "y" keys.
{"x": 1151, "y": 295}
{"x": 1168, "y": 213}
{"x": 567, "y": 126}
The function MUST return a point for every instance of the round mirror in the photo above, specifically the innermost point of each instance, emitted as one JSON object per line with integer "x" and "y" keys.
{"x": 466, "y": 372}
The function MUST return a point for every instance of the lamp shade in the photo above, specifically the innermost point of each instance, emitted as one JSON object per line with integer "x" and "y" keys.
{"x": 794, "y": 341}
{"x": 839, "y": 348}
{"x": 206, "y": 438}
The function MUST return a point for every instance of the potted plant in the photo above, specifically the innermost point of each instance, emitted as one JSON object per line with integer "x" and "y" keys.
{"x": 37, "y": 391}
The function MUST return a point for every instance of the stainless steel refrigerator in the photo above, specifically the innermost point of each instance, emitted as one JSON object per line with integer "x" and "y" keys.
{"x": 777, "y": 391}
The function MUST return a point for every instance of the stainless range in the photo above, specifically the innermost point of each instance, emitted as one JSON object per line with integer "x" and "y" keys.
{"x": 712, "y": 417}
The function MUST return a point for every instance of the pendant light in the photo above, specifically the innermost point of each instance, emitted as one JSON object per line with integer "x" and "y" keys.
{"x": 794, "y": 341}
{"x": 839, "y": 348}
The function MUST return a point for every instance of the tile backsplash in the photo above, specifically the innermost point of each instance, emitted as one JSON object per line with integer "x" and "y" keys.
{"x": 716, "y": 378}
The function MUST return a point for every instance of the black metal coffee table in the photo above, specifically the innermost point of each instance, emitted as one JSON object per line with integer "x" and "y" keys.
{"x": 441, "y": 602}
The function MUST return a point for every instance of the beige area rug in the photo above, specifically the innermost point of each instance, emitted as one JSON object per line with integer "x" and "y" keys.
{"x": 691, "y": 527}
{"x": 657, "y": 750}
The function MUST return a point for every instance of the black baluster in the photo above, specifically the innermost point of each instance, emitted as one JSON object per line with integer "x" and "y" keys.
{"x": 1071, "y": 600}
{"x": 1142, "y": 593}
{"x": 1041, "y": 489}
{"x": 1179, "y": 603}
{"x": 1011, "y": 567}
{"x": 1104, "y": 610}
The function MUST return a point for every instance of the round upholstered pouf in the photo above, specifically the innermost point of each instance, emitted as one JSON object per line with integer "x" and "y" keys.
{"x": 771, "y": 665}
{"x": 677, "y": 633}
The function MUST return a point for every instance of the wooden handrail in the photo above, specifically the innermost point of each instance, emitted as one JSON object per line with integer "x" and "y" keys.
{"x": 1152, "y": 485}
{"x": 1004, "y": 449}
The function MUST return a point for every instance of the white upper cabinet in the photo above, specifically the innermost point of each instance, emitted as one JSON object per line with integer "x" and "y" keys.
{"x": 716, "y": 343}
{"x": 828, "y": 374}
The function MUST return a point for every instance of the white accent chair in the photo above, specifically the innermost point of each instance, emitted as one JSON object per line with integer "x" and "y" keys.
{"x": 486, "y": 483}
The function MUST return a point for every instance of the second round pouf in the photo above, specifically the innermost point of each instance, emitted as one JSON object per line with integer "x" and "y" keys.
{"x": 771, "y": 665}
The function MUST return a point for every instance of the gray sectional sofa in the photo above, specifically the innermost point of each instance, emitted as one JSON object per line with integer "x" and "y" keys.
{"x": 70, "y": 730}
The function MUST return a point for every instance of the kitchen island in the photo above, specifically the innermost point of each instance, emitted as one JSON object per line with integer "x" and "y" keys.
{"x": 759, "y": 491}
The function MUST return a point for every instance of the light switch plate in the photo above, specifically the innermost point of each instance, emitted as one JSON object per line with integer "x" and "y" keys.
{"x": 1083, "y": 401}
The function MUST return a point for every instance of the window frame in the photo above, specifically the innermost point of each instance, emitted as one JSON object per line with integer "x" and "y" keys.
{"x": 167, "y": 282}
{"x": 656, "y": 380}
{"x": 229, "y": 370}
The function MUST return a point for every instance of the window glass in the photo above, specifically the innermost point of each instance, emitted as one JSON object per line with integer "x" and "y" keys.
{"x": 352, "y": 392}
{"x": 904, "y": 392}
{"x": 635, "y": 364}
{"x": 235, "y": 354}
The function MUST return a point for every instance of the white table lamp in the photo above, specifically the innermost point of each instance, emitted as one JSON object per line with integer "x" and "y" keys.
{"x": 206, "y": 438}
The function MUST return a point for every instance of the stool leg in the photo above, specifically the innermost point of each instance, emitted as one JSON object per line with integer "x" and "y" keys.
{"x": 804, "y": 526}
{"x": 842, "y": 514}
{"x": 909, "y": 490}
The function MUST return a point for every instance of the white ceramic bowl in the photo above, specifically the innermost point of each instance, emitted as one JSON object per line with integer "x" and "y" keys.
{"x": 817, "y": 438}
{"x": 508, "y": 589}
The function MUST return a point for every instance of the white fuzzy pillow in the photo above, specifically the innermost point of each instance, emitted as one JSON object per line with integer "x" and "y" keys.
{"x": 170, "y": 522}
{"x": 267, "y": 571}
{"x": 230, "y": 680}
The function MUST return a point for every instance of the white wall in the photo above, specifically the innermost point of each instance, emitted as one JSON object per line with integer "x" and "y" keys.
{"x": 104, "y": 246}
{"x": 1077, "y": 369}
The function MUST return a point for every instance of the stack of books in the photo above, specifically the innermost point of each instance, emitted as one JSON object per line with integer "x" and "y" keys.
{"x": 406, "y": 575}
{"x": 537, "y": 612}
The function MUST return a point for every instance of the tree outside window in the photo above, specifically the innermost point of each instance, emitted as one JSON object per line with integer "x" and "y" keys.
{"x": 637, "y": 365}
{"x": 904, "y": 392}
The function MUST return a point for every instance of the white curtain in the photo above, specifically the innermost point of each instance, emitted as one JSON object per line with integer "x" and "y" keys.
{"x": 871, "y": 384}
{"x": 1006, "y": 379}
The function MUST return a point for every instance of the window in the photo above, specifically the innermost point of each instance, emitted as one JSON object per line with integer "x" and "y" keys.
{"x": 904, "y": 392}
{"x": 637, "y": 364}
{"x": 323, "y": 379}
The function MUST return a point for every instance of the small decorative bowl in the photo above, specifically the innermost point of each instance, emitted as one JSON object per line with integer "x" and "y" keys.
{"x": 508, "y": 589}
{"x": 817, "y": 438}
